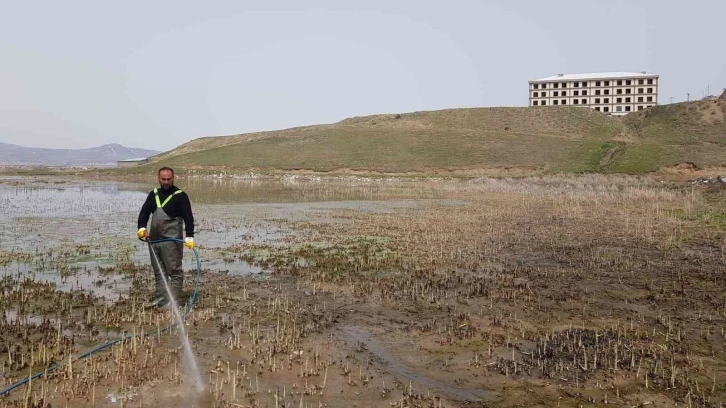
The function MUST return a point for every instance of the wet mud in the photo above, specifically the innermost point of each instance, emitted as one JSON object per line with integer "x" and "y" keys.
{"x": 436, "y": 293}
{"x": 365, "y": 341}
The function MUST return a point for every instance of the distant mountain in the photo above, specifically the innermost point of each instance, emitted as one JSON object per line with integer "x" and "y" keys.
{"x": 105, "y": 155}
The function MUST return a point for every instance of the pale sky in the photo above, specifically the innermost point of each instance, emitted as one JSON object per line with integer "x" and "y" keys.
{"x": 155, "y": 74}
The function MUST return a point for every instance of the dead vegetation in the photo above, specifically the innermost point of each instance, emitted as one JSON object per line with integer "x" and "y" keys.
{"x": 575, "y": 291}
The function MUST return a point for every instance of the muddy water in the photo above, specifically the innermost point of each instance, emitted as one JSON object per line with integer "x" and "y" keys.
{"x": 74, "y": 233}
{"x": 81, "y": 236}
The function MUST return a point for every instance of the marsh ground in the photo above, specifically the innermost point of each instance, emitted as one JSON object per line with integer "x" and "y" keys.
{"x": 339, "y": 292}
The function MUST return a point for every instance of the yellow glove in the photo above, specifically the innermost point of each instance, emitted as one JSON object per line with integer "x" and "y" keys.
{"x": 189, "y": 242}
{"x": 142, "y": 234}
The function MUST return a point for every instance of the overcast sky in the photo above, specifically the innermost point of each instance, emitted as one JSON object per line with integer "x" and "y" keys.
{"x": 155, "y": 74}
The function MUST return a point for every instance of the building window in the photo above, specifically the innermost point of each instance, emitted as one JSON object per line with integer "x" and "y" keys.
{"x": 607, "y": 83}
{"x": 627, "y": 100}
{"x": 555, "y": 93}
{"x": 640, "y": 82}
{"x": 544, "y": 86}
{"x": 627, "y": 108}
{"x": 564, "y": 102}
{"x": 619, "y": 100}
{"x": 584, "y": 101}
{"x": 597, "y": 83}
{"x": 648, "y": 106}
{"x": 576, "y": 93}
{"x": 555, "y": 102}
{"x": 627, "y": 91}
{"x": 607, "y": 100}
{"x": 641, "y": 90}
{"x": 597, "y": 92}
{"x": 535, "y": 94}
{"x": 618, "y": 108}
{"x": 584, "y": 93}
{"x": 628, "y": 82}
{"x": 620, "y": 82}
{"x": 564, "y": 93}
{"x": 535, "y": 86}
{"x": 606, "y": 109}
{"x": 607, "y": 92}
{"x": 650, "y": 99}
{"x": 534, "y": 103}
{"x": 650, "y": 82}
{"x": 597, "y": 108}
{"x": 544, "y": 103}
{"x": 640, "y": 99}
{"x": 575, "y": 101}
{"x": 650, "y": 90}
{"x": 619, "y": 92}
{"x": 640, "y": 108}
{"x": 597, "y": 100}
{"x": 543, "y": 94}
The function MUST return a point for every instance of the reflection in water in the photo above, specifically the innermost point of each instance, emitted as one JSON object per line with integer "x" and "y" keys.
{"x": 50, "y": 218}
{"x": 108, "y": 287}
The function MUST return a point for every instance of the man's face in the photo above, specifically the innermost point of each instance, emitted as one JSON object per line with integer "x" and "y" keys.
{"x": 166, "y": 179}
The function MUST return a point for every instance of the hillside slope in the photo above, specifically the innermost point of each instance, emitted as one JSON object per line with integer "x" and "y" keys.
{"x": 557, "y": 139}
{"x": 666, "y": 135}
{"x": 567, "y": 139}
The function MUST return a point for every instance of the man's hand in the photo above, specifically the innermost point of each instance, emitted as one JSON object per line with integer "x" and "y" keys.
{"x": 142, "y": 233}
{"x": 189, "y": 242}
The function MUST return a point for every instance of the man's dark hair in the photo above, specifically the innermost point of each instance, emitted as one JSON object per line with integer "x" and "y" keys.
{"x": 165, "y": 168}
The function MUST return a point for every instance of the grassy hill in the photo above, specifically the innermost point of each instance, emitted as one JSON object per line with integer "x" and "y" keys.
{"x": 669, "y": 134}
{"x": 556, "y": 139}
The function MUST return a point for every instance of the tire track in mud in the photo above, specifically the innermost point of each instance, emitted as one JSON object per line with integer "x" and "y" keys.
{"x": 360, "y": 335}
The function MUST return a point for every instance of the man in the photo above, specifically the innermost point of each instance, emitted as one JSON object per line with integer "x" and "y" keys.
{"x": 169, "y": 208}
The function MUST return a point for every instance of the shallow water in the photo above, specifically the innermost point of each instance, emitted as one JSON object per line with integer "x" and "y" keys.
{"x": 108, "y": 287}
{"x": 73, "y": 228}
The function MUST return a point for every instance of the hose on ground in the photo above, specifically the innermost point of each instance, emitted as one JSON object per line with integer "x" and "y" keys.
{"x": 190, "y": 305}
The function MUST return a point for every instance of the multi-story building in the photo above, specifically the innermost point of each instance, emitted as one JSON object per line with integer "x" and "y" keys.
{"x": 614, "y": 93}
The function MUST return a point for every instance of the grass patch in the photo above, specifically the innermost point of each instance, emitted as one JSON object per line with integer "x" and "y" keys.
{"x": 635, "y": 159}
{"x": 715, "y": 218}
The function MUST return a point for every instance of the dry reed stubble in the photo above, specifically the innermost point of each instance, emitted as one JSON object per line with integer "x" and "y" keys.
{"x": 594, "y": 288}
{"x": 537, "y": 259}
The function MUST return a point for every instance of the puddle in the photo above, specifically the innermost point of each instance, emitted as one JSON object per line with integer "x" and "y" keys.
{"x": 234, "y": 268}
{"x": 107, "y": 287}
{"x": 115, "y": 398}
{"x": 11, "y": 317}
{"x": 394, "y": 367}
{"x": 50, "y": 217}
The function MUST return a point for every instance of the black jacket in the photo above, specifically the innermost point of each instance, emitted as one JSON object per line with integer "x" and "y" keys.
{"x": 178, "y": 206}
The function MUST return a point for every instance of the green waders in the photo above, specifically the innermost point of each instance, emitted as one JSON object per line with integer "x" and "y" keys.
{"x": 168, "y": 253}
